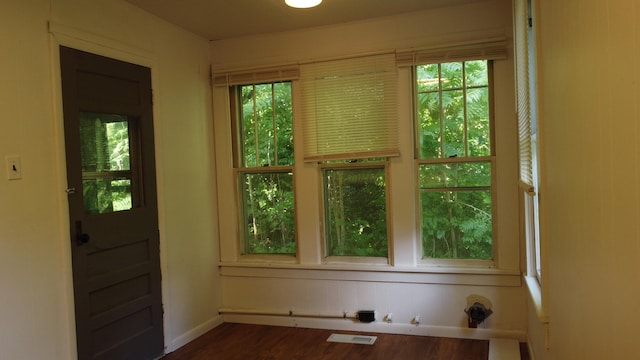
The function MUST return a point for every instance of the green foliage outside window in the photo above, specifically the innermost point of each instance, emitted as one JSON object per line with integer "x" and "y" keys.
{"x": 355, "y": 212}
{"x": 266, "y": 157}
{"x": 268, "y": 204}
{"x": 106, "y": 168}
{"x": 454, "y": 123}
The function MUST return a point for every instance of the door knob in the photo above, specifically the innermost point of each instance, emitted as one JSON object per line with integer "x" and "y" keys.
{"x": 81, "y": 237}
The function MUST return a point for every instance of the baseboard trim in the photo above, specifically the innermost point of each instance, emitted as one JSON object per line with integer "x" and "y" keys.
{"x": 193, "y": 334}
{"x": 376, "y": 327}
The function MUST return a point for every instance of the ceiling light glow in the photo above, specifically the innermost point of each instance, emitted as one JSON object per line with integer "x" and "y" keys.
{"x": 303, "y": 4}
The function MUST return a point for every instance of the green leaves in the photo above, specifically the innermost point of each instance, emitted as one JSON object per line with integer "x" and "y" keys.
{"x": 269, "y": 212}
{"x": 355, "y": 212}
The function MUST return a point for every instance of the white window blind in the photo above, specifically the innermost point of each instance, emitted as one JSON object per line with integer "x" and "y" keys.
{"x": 256, "y": 76}
{"x": 523, "y": 98}
{"x": 349, "y": 108}
{"x": 494, "y": 49}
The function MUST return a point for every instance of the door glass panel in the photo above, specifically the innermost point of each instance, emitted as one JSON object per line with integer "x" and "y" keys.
{"x": 106, "y": 166}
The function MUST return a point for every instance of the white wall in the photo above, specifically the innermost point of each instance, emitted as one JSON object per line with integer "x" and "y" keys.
{"x": 590, "y": 51}
{"x": 35, "y": 264}
{"x": 405, "y": 288}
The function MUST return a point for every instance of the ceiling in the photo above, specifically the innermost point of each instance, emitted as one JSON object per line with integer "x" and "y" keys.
{"x": 224, "y": 19}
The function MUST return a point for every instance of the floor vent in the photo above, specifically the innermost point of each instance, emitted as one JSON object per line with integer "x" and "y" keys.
{"x": 504, "y": 349}
{"x": 352, "y": 339}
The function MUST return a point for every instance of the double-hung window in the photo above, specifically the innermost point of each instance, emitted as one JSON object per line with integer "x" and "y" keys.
{"x": 349, "y": 129}
{"x": 263, "y": 162}
{"x": 455, "y": 159}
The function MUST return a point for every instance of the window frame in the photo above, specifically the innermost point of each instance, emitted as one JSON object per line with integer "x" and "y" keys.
{"x": 347, "y": 259}
{"x": 240, "y": 169}
{"x": 492, "y": 159}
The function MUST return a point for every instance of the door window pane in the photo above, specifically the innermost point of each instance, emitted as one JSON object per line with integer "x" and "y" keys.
{"x": 106, "y": 195}
{"x": 106, "y": 162}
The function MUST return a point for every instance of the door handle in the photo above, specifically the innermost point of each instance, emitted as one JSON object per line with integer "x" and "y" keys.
{"x": 81, "y": 237}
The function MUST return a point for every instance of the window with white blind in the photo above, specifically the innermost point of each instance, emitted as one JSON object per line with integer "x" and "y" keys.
{"x": 338, "y": 172}
{"x": 349, "y": 116}
{"x": 528, "y": 133}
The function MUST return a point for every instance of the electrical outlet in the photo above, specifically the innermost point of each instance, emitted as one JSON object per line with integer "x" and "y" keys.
{"x": 388, "y": 318}
{"x": 14, "y": 168}
{"x": 416, "y": 320}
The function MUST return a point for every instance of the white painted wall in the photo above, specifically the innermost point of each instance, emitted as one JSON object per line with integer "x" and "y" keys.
{"x": 35, "y": 267}
{"x": 406, "y": 288}
{"x": 590, "y": 51}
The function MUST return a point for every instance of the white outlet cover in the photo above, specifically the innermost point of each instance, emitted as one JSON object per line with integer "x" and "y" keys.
{"x": 472, "y": 299}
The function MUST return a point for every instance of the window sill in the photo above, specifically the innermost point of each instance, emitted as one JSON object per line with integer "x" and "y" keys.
{"x": 535, "y": 294}
{"x": 375, "y": 273}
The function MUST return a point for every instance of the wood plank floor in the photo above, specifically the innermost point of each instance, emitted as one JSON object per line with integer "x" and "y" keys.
{"x": 258, "y": 342}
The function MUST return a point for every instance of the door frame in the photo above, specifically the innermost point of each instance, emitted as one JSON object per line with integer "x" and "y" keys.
{"x": 60, "y": 35}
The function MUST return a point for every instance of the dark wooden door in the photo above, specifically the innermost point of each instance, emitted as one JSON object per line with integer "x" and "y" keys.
{"x": 108, "y": 128}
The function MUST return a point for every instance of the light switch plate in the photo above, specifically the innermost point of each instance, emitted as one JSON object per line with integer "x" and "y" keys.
{"x": 14, "y": 168}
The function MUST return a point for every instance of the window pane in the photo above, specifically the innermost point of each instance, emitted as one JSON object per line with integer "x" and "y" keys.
{"x": 428, "y": 78}
{"x": 284, "y": 123}
{"x": 106, "y": 195}
{"x": 451, "y": 75}
{"x": 429, "y": 125}
{"x": 267, "y": 126}
{"x": 355, "y": 212}
{"x": 268, "y": 213}
{"x": 454, "y": 119}
{"x": 478, "y": 125}
{"x": 106, "y": 167}
{"x": 476, "y": 73}
{"x": 105, "y": 142}
{"x": 454, "y": 125}
{"x": 456, "y": 224}
{"x": 450, "y": 175}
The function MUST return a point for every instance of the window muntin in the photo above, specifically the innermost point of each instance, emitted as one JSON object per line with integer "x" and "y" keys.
{"x": 263, "y": 121}
{"x": 355, "y": 215}
{"x": 455, "y": 159}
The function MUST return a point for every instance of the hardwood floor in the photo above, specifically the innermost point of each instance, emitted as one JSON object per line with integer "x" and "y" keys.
{"x": 258, "y": 342}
